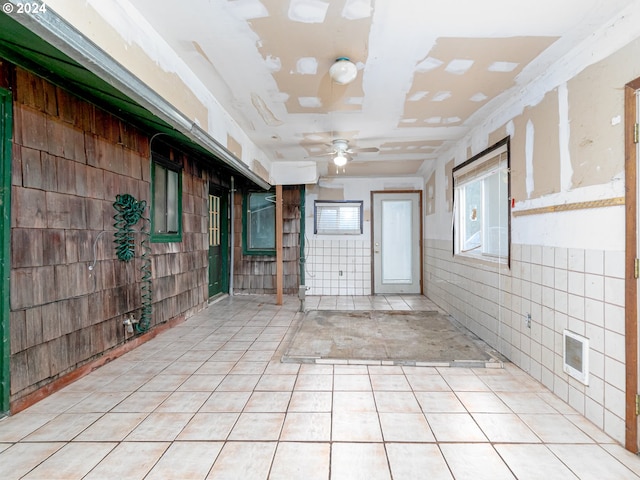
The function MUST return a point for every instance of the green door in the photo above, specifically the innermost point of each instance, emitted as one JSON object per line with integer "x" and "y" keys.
{"x": 6, "y": 126}
{"x": 218, "y": 243}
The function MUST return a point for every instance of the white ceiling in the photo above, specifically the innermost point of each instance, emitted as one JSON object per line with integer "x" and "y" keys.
{"x": 428, "y": 70}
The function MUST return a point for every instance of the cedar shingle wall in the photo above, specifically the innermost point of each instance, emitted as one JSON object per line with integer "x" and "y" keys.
{"x": 70, "y": 160}
{"x": 256, "y": 274}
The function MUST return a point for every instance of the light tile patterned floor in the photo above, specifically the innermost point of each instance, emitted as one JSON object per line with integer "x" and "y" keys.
{"x": 210, "y": 399}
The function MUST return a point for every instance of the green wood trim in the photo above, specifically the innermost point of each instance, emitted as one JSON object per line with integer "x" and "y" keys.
{"x": 6, "y": 128}
{"x": 224, "y": 239}
{"x": 166, "y": 237}
{"x": 245, "y": 250}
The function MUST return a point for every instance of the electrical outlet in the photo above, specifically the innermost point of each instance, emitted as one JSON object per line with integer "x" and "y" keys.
{"x": 528, "y": 320}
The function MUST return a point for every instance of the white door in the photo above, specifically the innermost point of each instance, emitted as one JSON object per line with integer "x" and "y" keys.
{"x": 396, "y": 242}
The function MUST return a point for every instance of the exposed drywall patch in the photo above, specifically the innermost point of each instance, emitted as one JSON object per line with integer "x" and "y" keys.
{"x": 359, "y": 168}
{"x": 566, "y": 169}
{"x": 311, "y": 76}
{"x": 430, "y": 194}
{"x": 597, "y": 147}
{"x": 499, "y": 134}
{"x": 258, "y": 169}
{"x": 528, "y": 155}
{"x": 335, "y": 193}
{"x": 308, "y": 11}
{"x": 234, "y": 146}
{"x": 487, "y": 60}
{"x": 542, "y": 147}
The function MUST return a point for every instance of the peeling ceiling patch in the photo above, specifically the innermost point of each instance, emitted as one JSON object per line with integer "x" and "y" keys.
{"x": 266, "y": 114}
{"x": 307, "y": 66}
{"x": 459, "y": 66}
{"x": 441, "y": 96}
{"x": 249, "y": 9}
{"x": 308, "y": 11}
{"x": 309, "y": 102}
{"x": 418, "y": 96}
{"x": 357, "y": 9}
{"x": 502, "y": 67}
{"x": 478, "y": 97}
{"x": 273, "y": 63}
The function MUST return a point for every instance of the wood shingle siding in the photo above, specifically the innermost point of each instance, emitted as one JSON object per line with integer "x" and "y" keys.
{"x": 70, "y": 160}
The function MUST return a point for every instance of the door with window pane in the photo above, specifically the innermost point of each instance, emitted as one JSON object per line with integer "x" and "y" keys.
{"x": 218, "y": 277}
{"x": 397, "y": 260}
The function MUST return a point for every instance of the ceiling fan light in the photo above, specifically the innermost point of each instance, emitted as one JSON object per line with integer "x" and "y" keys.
{"x": 343, "y": 71}
{"x": 340, "y": 159}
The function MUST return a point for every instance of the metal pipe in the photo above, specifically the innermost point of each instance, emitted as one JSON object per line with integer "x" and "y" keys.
{"x": 232, "y": 237}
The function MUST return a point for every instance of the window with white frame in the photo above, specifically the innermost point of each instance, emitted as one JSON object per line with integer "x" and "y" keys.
{"x": 338, "y": 217}
{"x": 481, "y": 188}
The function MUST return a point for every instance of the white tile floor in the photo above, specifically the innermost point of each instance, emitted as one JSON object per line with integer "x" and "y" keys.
{"x": 210, "y": 399}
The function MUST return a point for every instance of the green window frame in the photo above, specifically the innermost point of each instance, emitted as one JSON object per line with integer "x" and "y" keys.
{"x": 166, "y": 201}
{"x": 259, "y": 223}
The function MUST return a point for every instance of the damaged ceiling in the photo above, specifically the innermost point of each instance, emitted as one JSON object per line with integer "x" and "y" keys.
{"x": 428, "y": 71}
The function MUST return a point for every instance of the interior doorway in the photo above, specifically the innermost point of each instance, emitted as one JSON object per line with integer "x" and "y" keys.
{"x": 397, "y": 242}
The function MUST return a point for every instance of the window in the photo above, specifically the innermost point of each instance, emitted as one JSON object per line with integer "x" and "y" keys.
{"x": 259, "y": 222}
{"x": 338, "y": 218}
{"x": 481, "y": 205}
{"x": 166, "y": 207}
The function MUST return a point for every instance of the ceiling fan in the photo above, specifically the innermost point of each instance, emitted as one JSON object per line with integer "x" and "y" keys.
{"x": 341, "y": 152}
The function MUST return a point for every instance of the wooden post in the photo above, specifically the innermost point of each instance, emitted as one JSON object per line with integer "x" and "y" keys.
{"x": 279, "y": 264}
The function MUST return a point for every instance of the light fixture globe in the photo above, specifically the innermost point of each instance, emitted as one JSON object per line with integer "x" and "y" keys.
{"x": 343, "y": 71}
{"x": 340, "y": 159}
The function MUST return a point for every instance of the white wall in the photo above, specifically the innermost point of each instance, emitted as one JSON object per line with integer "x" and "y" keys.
{"x": 341, "y": 264}
{"x": 567, "y": 267}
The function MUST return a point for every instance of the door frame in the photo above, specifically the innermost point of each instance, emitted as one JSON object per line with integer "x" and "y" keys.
{"x": 420, "y": 234}
{"x": 223, "y": 194}
{"x": 631, "y": 255}
{"x": 6, "y": 129}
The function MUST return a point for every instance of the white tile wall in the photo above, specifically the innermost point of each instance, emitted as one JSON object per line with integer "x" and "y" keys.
{"x": 582, "y": 290}
{"x": 338, "y": 267}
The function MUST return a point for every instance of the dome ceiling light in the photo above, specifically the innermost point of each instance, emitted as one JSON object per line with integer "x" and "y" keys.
{"x": 343, "y": 71}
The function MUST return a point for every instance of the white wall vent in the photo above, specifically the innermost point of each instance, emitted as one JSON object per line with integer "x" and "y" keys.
{"x": 576, "y": 356}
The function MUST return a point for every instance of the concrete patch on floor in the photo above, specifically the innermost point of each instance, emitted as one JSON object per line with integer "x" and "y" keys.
{"x": 421, "y": 338}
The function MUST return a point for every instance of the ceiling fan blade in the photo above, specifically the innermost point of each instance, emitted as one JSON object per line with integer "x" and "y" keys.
{"x": 326, "y": 154}
{"x": 364, "y": 150}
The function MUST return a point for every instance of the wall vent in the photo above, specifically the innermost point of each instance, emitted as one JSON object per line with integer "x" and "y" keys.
{"x": 576, "y": 356}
